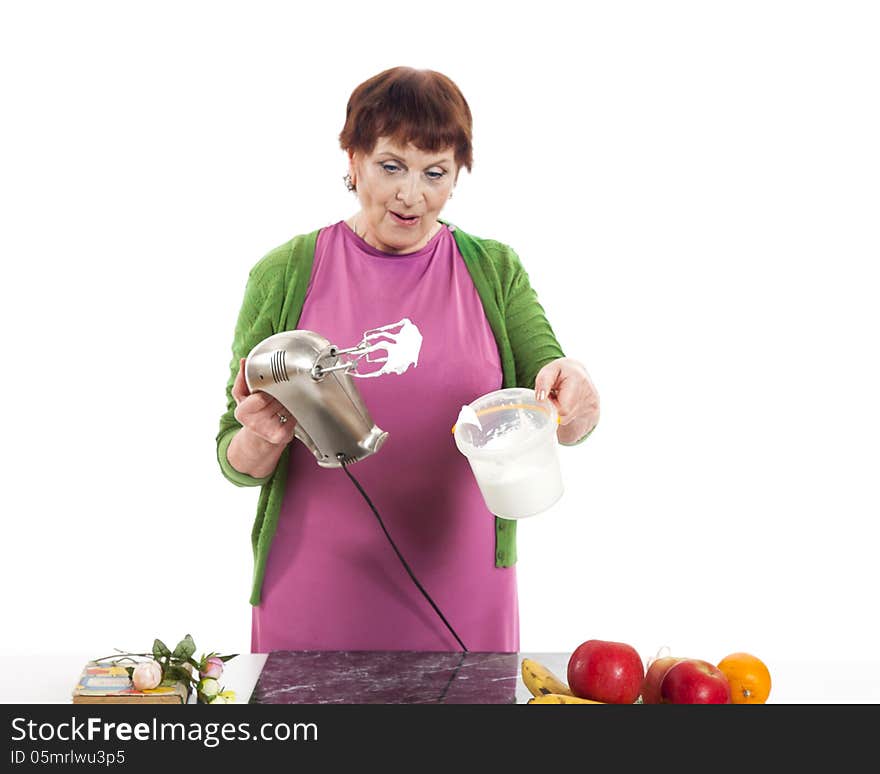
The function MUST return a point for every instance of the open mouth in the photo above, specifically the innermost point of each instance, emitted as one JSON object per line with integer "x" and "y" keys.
{"x": 406, "y": 220}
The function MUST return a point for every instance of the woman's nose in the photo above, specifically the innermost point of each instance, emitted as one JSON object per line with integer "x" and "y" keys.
{"x": 409, "y": 191}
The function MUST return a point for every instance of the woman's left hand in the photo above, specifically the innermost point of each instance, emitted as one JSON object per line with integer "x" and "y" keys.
{"x": 566, "y": 383}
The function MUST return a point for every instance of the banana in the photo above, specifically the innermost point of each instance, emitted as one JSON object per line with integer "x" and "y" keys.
{"x": 541, "y": 681}
{"x": 560, "y": 698}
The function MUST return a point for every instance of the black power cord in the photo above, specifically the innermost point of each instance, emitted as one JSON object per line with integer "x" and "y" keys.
{"x": 415, "y": 580}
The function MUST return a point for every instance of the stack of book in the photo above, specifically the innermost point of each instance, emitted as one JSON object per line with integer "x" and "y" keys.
{"x": 111, "y": 684}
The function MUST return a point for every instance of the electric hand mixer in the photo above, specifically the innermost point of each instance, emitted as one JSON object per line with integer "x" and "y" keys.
{"x": 309, "y": 377}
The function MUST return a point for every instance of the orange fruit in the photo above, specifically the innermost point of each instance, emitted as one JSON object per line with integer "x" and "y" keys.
{"x": 748, "y": 676}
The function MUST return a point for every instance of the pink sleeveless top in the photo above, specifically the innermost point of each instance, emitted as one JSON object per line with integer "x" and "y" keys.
{"x": 333, "y": 581}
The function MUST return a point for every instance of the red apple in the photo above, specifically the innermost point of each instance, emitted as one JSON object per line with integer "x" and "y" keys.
{"x": 654, "y": 676}
{"x": 601, "y": 670}
{"x": 694, "y": 681}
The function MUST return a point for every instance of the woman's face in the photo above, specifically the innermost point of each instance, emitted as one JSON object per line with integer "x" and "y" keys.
{"x": 402, "y": 191}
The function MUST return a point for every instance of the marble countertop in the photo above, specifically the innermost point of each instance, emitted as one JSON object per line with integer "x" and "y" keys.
{"x": 390, "y": 677}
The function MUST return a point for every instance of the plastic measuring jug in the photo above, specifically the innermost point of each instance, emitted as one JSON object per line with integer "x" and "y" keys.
{"x": 509, "y": 439}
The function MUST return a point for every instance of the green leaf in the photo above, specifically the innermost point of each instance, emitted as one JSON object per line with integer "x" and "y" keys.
{"x": 185, "y": 648}
{"x": 160, "y": 650}
{"x": 178, "y": 674}
{"x": 226, "y": 658}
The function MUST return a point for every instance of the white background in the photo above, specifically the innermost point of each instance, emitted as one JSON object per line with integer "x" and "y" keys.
{"x": 692, "y": 187}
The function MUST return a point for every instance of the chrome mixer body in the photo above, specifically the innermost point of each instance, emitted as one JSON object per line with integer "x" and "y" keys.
{"x": 311, "y": 378}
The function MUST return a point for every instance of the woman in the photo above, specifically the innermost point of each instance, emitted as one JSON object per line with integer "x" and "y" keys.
{"x": 325, "y": 576}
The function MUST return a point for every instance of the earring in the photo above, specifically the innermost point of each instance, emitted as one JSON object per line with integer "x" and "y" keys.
{"x": 450, "y": 194}
{"x": 349, "y": 183}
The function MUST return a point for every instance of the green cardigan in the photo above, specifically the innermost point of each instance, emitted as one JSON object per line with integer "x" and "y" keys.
{"x": 273, "y": 300}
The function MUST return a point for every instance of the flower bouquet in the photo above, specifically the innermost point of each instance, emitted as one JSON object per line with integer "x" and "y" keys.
{"x": 148, "y": 671}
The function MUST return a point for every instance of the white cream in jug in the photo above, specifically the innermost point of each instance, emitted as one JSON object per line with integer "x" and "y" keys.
{"x": 521, "y": 485}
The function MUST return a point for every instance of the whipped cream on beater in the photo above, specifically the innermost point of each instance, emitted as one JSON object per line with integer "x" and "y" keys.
{"x": 401, "y": 342}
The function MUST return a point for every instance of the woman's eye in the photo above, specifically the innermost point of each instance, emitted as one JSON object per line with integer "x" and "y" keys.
{"x": 434, "y": 174}
{"x": 390, "y": 167}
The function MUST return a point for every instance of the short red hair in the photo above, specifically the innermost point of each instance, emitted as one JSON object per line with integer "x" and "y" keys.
{"x": 422, "y": 107}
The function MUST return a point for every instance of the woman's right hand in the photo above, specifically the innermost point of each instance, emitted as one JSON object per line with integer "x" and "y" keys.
{"x": 260, "y": 413}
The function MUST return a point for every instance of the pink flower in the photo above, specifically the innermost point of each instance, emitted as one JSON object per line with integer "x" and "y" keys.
{"x": 146, "y": 675}
{"x": 211, "y": 667}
